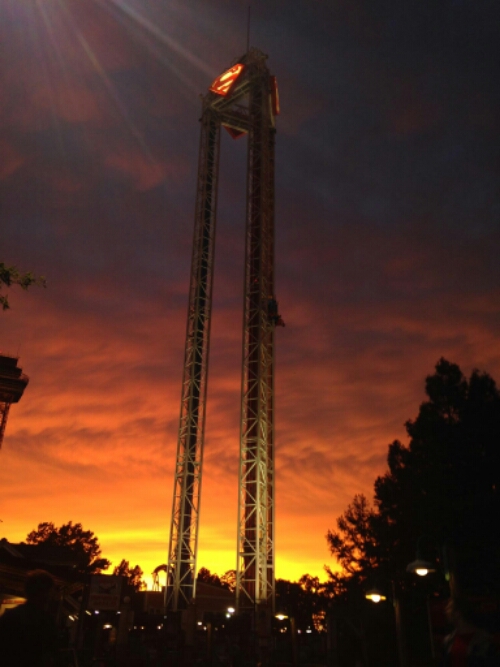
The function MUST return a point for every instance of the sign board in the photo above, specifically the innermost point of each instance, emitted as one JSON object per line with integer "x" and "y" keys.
{"x": 105, "y": 592}
{"x": 223, "y": 83}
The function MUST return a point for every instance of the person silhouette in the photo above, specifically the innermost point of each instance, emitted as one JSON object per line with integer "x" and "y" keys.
{"x": 28, "y": 634}
{"x": 468, "y": 645}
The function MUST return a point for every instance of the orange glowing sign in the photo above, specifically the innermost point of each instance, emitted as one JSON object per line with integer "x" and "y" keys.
{"x": 223, "y": 83}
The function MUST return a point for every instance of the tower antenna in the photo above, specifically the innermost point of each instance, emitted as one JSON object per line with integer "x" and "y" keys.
{"x": 248, "y": 27}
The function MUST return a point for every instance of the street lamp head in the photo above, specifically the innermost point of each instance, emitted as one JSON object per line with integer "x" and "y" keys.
{"x": 375, "y": 595}
{"x": 421, "y": 567}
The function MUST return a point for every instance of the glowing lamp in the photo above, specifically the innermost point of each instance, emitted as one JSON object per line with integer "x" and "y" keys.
{"x": 223, "y": 83}
{"x": 375, "y": 595}
{"x": 420, "y": 567}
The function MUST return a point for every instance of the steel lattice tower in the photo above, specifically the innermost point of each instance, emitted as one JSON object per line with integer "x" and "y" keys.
{"x": 244, "y": 100}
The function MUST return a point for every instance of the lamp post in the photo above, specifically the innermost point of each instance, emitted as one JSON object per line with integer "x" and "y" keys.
{"x": 376, "y": 595}
{"x": 422, "y": 567}
{"x": 293, "y": 632}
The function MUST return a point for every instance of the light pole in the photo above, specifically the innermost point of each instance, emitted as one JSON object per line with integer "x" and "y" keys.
{"x": 376, "y": 595}
{"x": 422, "y": 567}
{"x": 293, "y": 632}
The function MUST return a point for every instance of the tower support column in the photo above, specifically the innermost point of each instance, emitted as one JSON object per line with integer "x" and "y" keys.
{"x": 243, "y": 100}
{"x": 181, "y": 568}
{"x": 255, "y": 564}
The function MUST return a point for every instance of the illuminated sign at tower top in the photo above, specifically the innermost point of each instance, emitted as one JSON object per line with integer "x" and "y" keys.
{"x": 223, "y": 83}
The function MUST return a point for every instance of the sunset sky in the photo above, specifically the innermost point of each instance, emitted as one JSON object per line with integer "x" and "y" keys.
{"x": 387, "y": 251}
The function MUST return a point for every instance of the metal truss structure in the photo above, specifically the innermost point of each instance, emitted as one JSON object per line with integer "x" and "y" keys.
{"x": 13, "y": 382}
{"x": 243, "y": 100}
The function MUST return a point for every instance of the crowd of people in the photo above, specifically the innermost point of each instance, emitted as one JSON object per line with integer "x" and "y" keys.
{"x": 29, "y": 636}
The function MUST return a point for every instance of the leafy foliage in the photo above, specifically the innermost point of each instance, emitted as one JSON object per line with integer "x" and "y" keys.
{"x": 207, "y": 577}
{"x": 10, "y": 275}
{"x": 306, "y": 601}
{"x": 83, "y": 543}
{"x": 228, "y": 580}
{"x": 354, "y": 544}
{"x": 444, "y": 485}
{"x": 133, "y": 574}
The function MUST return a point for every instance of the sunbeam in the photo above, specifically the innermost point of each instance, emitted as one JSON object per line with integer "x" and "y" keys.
{"x": 154, "y": 40}
{"x": 140, "y": 21}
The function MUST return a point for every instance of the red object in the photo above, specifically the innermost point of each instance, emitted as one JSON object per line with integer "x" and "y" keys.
{"x": 235, "y": 134}
{"x": 275, "y": 98}
{"x": 458, "y": 651}
{"x": 223, "y": 83}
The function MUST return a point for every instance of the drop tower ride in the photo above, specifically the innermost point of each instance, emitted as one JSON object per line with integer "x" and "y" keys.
{"x": 243, "y": 100}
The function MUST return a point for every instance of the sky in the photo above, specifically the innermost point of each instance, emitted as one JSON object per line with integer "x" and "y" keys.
{"x": 387, "y": 246}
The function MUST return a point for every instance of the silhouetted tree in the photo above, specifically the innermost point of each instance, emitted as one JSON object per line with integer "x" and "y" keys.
{"x": 228, "y": 580}
{"x": 10, "y": 275}
{"x": 83, "y": 543}
{"x": 133, "y": 574}
{"x": 306, "y": 600}
{"x": 354, "y": 544}
{"x": 207, "y": 577}
{"x": 444, "y": 486}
